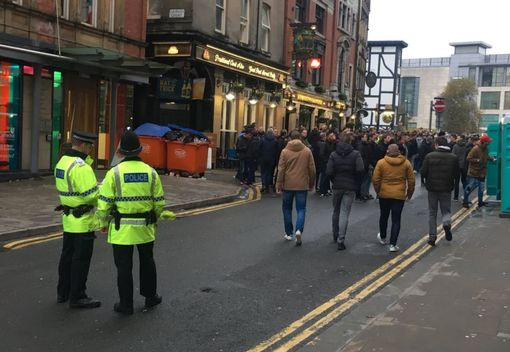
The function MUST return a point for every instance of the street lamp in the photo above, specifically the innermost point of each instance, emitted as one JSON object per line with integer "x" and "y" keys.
{"x": 230, "y": 95}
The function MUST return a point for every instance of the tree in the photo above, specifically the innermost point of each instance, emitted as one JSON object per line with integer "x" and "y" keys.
{"x": 461, "y": 112}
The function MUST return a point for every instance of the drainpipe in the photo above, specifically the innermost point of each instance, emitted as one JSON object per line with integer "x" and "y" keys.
{"x": 113, "y": 122}
{"x": 355, "y": 78}
{"x": 258, "y": 25}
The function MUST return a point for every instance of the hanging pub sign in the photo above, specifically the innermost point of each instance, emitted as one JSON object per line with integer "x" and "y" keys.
{"x": 304, "y": 40}
{"x": 238, "y": 63}
{"x": 173, "y": 88}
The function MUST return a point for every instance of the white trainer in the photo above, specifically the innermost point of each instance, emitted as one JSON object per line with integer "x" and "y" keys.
{"x": 381, "y": 240}
{"x": 298, "y": 238}
{"x": 394, "y": 248}
{"x": 288, "y": 238}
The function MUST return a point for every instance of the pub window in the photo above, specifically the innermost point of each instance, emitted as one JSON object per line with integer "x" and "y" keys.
{"x": 342, "y": 16}
{"x": 63, "y": 9}
{"x": 111, "y": 23}
{"x": 319, "y": 19}
{"x": 88, "y": 12}
{"x": 266, "y": 27}
{"x": 317, "y": 73}
{"x": 220, "y": 16}
{"x": 245, "y": 21}
{"x": 300, "y": 11}
{"x": 153, "y": 9}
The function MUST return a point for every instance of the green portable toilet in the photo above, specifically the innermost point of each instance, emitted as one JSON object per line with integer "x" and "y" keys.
{"x": 505, "y": 169}
{"x": 494, "y": 167}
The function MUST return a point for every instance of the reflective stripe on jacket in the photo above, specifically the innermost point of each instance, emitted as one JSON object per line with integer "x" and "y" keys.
{"x": 133, "y": 187}
{"x": 76, "y": 185}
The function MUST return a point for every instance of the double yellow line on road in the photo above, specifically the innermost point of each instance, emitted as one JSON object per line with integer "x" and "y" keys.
{"x": 348, "y": 298}
{"x": 253, "y": 196}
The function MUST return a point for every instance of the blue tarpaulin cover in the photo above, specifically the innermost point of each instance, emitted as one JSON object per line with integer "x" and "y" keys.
{"x": 189, "y": 130}
{"x": 151, "y": 129}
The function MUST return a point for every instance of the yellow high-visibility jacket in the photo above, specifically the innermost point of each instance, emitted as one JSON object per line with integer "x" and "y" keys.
{"x": 76, "y": 185}
{"x": 133, "y": 187}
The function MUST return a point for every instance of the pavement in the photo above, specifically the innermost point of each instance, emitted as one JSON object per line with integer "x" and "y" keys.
{"x": 27, "y": 206}
{"x": 456, "y": 298}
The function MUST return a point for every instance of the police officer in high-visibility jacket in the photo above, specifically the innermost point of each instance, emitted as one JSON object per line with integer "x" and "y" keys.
{"x": 131, "y": 199}
{"x": 77, "y": 187}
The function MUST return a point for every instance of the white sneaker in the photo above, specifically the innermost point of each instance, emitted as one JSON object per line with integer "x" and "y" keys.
{"x": 394, "y": 248}
{"x": 298, "y": 238}
{"x": 381, "y": 240}
{"x": 288, "y": 238}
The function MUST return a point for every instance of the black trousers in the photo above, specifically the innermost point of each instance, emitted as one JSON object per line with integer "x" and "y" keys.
{"x": 74, "y": 265}
{"x": 395, "y": 207}
{"x": 123, "y": 257}
{"x": 461, "y": 177}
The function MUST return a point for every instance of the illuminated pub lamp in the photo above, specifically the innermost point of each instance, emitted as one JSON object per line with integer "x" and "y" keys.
{"x": 315, "y": 63}
{"x": 173, "y": 50}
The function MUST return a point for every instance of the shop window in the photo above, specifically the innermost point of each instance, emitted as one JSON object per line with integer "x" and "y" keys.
{"x": 320, "y": 18}
{"x": 45, "y": 72}
{"x": 489, "y": 100}
{"x": 266, "y": 28}
{"x": 10, "y": 99}
{"x": 88, "y": 12}
{"x": 300, "y": 11}
{"x": 245, "y": 21}
{"x": 220, "y": 16}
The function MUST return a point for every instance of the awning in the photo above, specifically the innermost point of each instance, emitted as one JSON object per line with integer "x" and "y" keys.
{"x": 115, "y": 59}
{"x": 90, "y": 60}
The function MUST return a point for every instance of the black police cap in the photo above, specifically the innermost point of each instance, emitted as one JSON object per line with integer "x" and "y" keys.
{"x": 85, "y": 137}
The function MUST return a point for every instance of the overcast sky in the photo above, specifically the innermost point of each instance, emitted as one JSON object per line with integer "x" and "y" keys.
{"x": 428, "y": 26}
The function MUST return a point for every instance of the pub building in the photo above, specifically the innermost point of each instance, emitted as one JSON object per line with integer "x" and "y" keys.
{"x": 309, "y": 110}
{"x": 215, "y": 90}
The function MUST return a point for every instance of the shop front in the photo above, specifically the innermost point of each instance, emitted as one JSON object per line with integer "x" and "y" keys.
{"x": 217, "y": 91}
{"x": 44, "y": 97}
{"x": 308, "y": 110}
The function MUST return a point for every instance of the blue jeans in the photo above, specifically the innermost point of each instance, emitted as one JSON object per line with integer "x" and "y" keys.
{"x": 288, "y": 199}
{"x": 472, "y": 183}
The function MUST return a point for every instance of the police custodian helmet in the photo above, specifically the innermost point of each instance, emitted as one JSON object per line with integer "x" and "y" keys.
{"x": 130, "y": 144}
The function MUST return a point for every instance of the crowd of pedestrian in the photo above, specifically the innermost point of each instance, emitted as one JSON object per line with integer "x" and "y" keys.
{"x": 346, "y": 163}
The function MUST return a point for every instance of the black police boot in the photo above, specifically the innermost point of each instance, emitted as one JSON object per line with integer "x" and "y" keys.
{"x": 85, "y": 303}
{"x": 127, "y": 310}
{"x": 153, "y": 301}
{"x": 62, "y": 298}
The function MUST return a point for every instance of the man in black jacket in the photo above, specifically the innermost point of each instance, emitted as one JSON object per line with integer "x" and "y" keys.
{"x": 440, "y": 169}
{"x": 344, "y": 168}
{"x": 329, "y": 148}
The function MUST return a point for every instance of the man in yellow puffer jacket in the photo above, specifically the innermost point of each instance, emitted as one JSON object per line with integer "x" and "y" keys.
{"x": 131, "y": 201}
{"x": 77, "y": 187}
{"x": 394, "y": 182}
